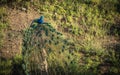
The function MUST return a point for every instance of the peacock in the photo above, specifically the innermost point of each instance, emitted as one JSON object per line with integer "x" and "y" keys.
{"x": 41, "y": 44}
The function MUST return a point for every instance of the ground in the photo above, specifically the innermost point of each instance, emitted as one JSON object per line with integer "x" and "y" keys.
{"x": 18, "y": 21}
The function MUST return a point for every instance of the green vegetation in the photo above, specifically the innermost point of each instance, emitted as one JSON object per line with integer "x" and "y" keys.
{"x": 78, "y": 40}
{"x": 3, "y": 24}
{"x": 11, "y": 66}
{"x": 5, "y": 67}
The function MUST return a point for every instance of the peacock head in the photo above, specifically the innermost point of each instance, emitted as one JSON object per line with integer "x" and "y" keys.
{"x": 41, "y": 17}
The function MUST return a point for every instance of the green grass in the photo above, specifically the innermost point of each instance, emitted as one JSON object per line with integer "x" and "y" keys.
{"x": 5, "y": 67}
{"x": 11, "y": 66}
{"x": 3, "y": 24}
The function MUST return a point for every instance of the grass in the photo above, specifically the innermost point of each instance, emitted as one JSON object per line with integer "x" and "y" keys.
{"x": 3, "y": 24}
{"x": 85, "y": 24}
{"x": 5, "y": 67}
{"x": 11, "y": 66}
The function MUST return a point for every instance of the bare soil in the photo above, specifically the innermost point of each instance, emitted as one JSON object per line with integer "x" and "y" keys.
{"x": 18, "y": 21}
